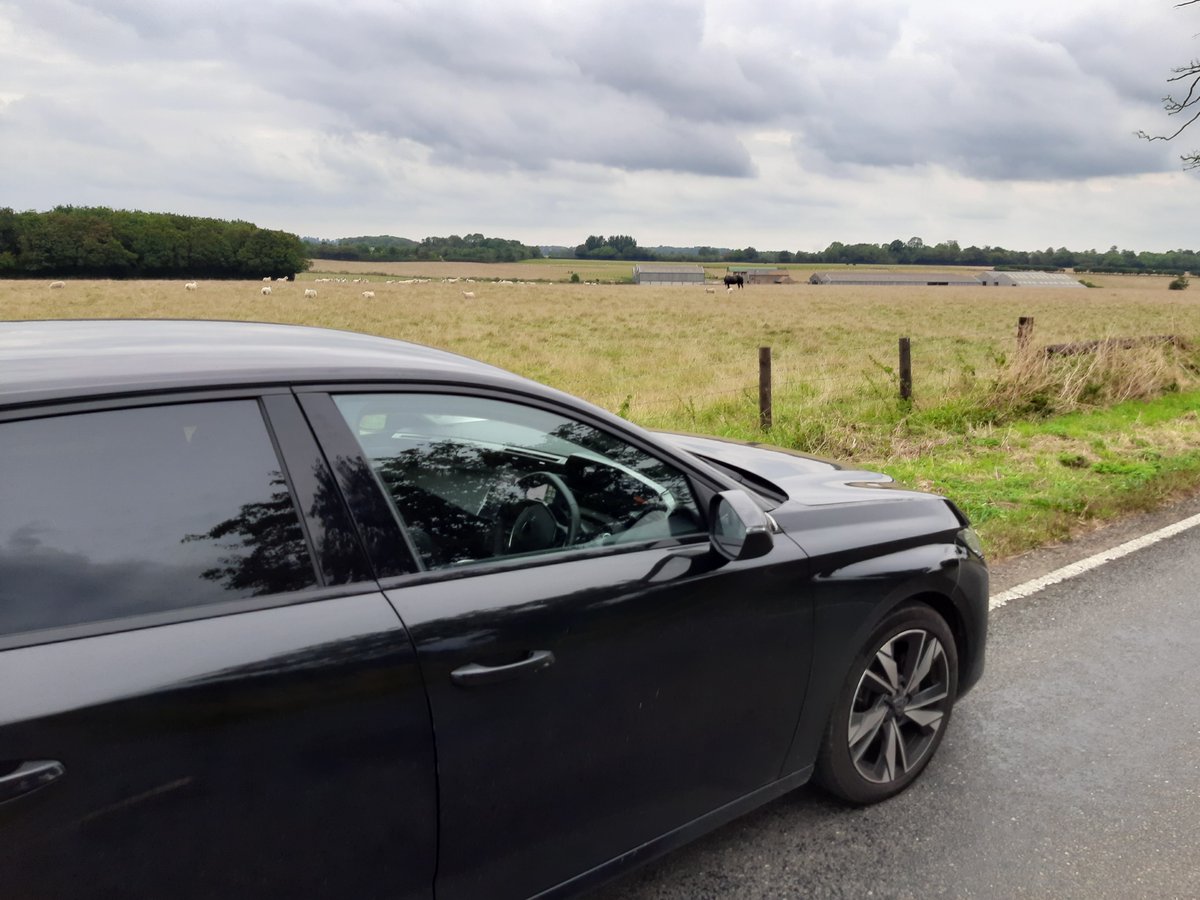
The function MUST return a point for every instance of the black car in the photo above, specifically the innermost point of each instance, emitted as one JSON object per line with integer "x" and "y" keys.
{"x": 290, "y": 612}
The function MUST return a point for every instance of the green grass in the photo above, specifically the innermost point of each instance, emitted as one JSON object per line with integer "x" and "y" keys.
{"x": 1036, "y": 482}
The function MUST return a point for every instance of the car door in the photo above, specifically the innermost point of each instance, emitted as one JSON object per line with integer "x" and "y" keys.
{"x": 203, "y": 692}
{"x": 594, "y": 685}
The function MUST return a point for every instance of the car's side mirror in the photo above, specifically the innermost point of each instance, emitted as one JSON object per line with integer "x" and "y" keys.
{"x": 738, "y": 528}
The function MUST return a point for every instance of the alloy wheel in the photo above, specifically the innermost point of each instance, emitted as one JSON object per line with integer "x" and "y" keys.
{"x": 899, "y": 706}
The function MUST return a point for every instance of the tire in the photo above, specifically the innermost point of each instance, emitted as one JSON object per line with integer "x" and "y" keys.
{"x": 893, "y": 709}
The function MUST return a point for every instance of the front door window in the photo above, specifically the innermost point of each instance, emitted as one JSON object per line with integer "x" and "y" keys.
{"x": 475, "y": 479}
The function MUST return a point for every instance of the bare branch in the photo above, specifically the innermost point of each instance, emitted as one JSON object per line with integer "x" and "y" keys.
{"x": 1168, "y": 137}
{"x": 1189, "y": 74}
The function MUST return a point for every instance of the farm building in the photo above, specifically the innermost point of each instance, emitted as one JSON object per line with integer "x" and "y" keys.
{"x": 1028, "y": 279}
{"x": 882, "y": 276}
{"x": 764, "y": 276}
{"x": 668, "y": 273}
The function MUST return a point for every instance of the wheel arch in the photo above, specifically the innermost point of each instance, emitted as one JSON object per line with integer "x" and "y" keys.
{"x": 846, "y": 612}
{"x": 945, "y": 607}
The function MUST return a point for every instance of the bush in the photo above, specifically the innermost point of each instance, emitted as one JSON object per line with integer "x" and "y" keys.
{"x": 1036, "y": 385}
{"x": 1178, "y": 284}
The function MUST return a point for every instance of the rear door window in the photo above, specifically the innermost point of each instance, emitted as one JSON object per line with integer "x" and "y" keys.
{"x": 123, "y": 512}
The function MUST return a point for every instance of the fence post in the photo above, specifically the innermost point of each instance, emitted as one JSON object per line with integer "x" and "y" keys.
{"x": 905, "y": 369}
{"x": 1024, "y": 331}
{"x": 764, "y": 388}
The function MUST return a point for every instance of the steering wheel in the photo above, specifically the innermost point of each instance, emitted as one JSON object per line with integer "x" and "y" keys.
{"x": 542, "y": 524}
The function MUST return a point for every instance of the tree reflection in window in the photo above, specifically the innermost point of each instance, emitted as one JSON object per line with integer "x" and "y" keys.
{"x": 267, "y": 551}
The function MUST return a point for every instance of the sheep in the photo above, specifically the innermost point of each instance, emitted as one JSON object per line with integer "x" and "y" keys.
{"x": 468, "y": 295}
{"x": 281, "y": 278}
{"x": 310, "y": 292}
{"x": 190, "y": 286}
{"x": 58, "y": 284}
{"x": 268, "y": 278}
{"x": 265, "y": 290}
{"x": 708, "y": 290}
{"x": 368, "y": 295}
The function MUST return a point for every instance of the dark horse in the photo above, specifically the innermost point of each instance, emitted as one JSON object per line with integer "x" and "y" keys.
{"x": 731, "y": 280}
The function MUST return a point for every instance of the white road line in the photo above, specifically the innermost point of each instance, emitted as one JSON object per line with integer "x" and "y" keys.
{"x": 1084, "y": 565}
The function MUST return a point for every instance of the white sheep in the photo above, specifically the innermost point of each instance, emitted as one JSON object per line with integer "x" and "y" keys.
{"x": 710, "y": 290}
{"x": 268, "y": 278}
{"x": 58, "y": 284}
{"x": 310, "y": 292}
{"x": 368, "y": 295}
{"x": 190, "y": 286}
{"x": 265, "y": 290}
{"x": 468, "y": 295}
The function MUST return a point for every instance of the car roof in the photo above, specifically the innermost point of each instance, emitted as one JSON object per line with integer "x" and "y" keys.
{"x": 59, "y": 359}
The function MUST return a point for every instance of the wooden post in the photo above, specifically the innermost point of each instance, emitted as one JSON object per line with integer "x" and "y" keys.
{"x": 764, "y": 388}
{"x": 905, "y": 369}
{"x": 1024, "y": 331}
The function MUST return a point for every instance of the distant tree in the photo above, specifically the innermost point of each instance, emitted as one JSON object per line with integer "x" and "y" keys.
{"x": 1188, "y": 76}
{"x": 593, "y": 243}
{"x": 615, "y": 246}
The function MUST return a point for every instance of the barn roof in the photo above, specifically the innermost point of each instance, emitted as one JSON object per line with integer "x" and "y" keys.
{"x": 883, "y": 276}
{"x": 1031, "y": 279}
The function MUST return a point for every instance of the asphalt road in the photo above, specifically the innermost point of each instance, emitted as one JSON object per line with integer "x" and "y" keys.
{"x": 1071, "y": 771}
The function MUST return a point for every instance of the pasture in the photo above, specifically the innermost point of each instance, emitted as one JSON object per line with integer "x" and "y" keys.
{"x": 680, "y": 358}
{"x": 669, "y": 356}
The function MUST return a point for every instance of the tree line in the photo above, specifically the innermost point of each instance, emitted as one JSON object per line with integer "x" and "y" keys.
{"x": 97, "y": 242}
{"x": 911, "y": 252}
{"x": 455, "y": 248}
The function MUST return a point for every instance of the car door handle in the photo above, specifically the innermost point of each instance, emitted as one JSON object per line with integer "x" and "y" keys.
{"x": 473, "y": 674}
{"x": 28, "y": 777}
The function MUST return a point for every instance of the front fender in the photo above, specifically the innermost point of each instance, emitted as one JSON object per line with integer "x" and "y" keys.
{"x": 850, "y": 600}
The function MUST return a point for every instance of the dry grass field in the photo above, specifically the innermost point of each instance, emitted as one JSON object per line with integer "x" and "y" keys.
{"x": 544, "y": 270}
{"x": 664, "y": 355}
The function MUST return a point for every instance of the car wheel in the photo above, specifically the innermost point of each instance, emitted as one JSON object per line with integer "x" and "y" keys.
{"x": 893, "y": 709}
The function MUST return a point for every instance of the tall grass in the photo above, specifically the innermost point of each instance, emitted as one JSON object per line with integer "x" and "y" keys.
{"x": 1034, "y": 383}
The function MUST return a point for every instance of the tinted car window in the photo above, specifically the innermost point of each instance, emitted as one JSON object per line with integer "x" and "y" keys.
{"x": 121, "y": 512}
{"x": 475, "y": 479}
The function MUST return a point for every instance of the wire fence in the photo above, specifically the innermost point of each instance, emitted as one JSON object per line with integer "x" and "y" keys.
{"x": 868, "y": 372}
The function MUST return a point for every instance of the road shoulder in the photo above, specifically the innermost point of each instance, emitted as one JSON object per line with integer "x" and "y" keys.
{"x": 1015, "y": 570}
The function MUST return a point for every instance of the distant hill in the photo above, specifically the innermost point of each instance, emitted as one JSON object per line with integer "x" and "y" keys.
{"x": 388, "y": 248}
{"x": 716, "y": 254}
{"x": 376, "y": 240}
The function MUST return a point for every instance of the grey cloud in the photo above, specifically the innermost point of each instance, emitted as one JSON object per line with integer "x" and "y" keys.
{"x": 1009, "y": 107}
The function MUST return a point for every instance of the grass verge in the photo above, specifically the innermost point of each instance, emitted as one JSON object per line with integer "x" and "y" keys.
{"x": 1038, "y": 482}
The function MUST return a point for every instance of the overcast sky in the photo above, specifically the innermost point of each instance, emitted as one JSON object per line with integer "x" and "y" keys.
{"x": 733, "y": 123}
